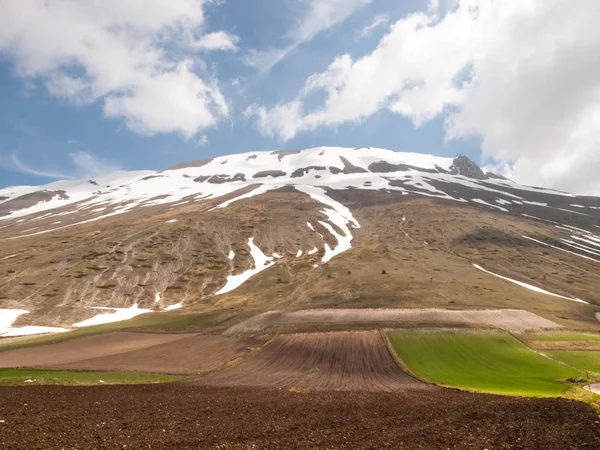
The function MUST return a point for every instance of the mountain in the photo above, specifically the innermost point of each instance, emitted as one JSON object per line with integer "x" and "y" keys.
{"x": 286, "y": 230}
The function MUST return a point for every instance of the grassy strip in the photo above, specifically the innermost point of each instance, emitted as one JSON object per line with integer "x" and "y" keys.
{"x": 31, "y": 377}
{"x": 491, "y": 362}
{"x": 583, "y": 360}
{"x": 165, "y": 322}
{"x": 560, "y": 336}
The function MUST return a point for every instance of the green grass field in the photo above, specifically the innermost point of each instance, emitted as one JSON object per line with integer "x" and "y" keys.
{"x": 581, "y": 359}
{"x": 481, "y": 361}
{"x": 561, "y": 336}
{"x": 167, "y": 322}
{"x": 18, "y": 377}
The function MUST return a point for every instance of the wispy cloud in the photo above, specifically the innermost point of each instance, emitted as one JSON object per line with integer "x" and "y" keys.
{"x": 82, "y": 165}
{"x": 378, "y": 21}
{"x": 202, "y": 141}
{"x": 319, "y": 16}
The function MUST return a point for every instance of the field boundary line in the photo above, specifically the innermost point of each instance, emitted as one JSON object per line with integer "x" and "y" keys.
{"x": 399, "y": 361}
{"x": 231, "y": 363}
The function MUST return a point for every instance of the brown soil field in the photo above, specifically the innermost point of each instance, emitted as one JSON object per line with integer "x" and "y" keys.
{"x": 564, "y": 345}
{"x": 182, "y": 416}
{"x": 84, "y": 348}
{"x": 191, "y": 355}
{"x": 320, "y": 361}
{"x": 504, "y": 319}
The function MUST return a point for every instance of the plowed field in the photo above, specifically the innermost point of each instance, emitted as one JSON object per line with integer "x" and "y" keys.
{"x": 321, "y": 361}
{"x": 193, "y": 354}
{"x": 83, "y": 348}
{"x": 133, "y": 352}
{"x": 178, "y": 416}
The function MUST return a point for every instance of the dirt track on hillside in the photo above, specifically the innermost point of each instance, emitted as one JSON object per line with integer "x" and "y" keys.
{"x": 321, "y": 361}
{"x": 191, "y": 417}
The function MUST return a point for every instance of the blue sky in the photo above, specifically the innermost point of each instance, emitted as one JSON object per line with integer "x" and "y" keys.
{"x": 415, "y": 75}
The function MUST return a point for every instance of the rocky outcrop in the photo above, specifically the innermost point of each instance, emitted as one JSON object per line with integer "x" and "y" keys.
{"x": 304, "y": 170}
{"x": 464, "y": 166}
{"x": 221, "y": 178}
{"x": 351, "y": 168}
{"x": 28, "y": 200}
{"x": 385, "y": 167}
{"x": 269, "y": 173}
{"x": 283, "y": 153}
{"x": 198, "y": 163}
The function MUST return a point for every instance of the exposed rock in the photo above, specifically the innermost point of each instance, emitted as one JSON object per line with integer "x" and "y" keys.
{"x": 304, "y": 170}
{"x": 335, "y": 170}
{"x": 495, "y": 176}
{"x": 31, "y": 199}
{"x": 385, "y": 167}
{"x": 150, "y": 177}
{"x": 269, "y": 173}
{"x": 224, "y": 178}
{"x": 198, "y": 163}
{"x": 202, "y": 178}
{"x": 351, "y": 168}
{"x": 251, "y": 157}
{"x": 93, "y": 182}
{"x": 463, "y": 165}
{"x": 283, "y": 153}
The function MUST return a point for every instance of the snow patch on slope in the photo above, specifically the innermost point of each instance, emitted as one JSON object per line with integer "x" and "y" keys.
{"x": 529, "y": 286}
{"x": 261, "y": 262}
{"x": 10, "y": 316}
{"x": 337, "y": 214}
{"x": 117, "y": 315}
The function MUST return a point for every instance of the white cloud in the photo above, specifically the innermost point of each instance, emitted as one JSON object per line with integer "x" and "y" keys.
{"x": 315, "y": 16}
{"x": 219, "y": 40}
{"x": 202, "y": 141}
{"x": 522, "y": 75}
{"x": 378, "y": 21}
{"x": 83, "y": 164}
{"x": 135, "y": 55}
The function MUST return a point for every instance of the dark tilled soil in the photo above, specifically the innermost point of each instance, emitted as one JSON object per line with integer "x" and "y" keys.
{"x": 192, "y": 417}
{"x": 320, "y": 361}
{"x": 189, "y": 355}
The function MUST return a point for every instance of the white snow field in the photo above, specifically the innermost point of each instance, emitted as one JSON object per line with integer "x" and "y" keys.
{"x": 261, "y": 262}
{"x": 10, "y": 316}
{"x": 123, "y": 191}
{"x": 116, "y": 315}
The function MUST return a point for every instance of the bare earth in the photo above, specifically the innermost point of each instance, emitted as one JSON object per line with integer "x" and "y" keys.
{"x": 180, "y": 416}
{"x": 514, "y": 320}
{"x": 133, "y": 352}
{"x": 321, "y": 361}
{"x": 191, "y": 355}
{"x": 84, "y": 348}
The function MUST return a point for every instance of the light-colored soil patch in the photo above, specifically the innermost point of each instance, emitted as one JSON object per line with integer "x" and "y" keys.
{"x": 562, "y": 345}
{"x": 54, "y": 355}
{"x": 320, "y": 361}
{"x": 191, "y": 355}
{"x": 513, "y": 320}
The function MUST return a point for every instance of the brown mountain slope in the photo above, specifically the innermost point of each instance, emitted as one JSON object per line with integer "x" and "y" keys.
{"x": 410, "y": 251}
